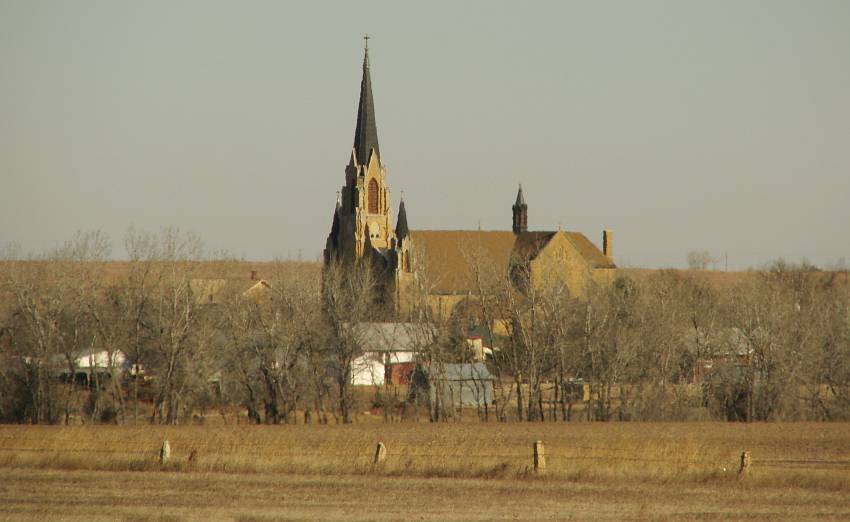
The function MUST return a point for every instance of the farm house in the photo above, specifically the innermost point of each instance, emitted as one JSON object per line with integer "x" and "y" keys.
{"x": 387, "y": 349}
{"x": 87, "y": 363}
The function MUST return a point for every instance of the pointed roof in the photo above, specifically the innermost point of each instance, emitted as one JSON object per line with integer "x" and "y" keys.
{"x": 366, "y": 133}
{"x": 520, "y": 199}
{"x": 401, "y": 230}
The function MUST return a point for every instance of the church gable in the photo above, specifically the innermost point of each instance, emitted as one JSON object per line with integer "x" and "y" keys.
{"x": 570, "y": 258}
{"x": 560, "y": 262}
{"x": 590, "y": 252}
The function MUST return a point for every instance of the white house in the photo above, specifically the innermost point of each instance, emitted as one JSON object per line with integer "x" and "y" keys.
{"x": 87, "y": 363}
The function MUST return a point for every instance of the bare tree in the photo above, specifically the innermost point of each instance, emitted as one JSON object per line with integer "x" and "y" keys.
{"x": 700, "y": 259}
{"x": 773, "y": 346}
{"x": 273, "y": 329}
{"x": 350, "y": 296}
{"x": 50, "y": 325}
{"x": 176, "y": 329}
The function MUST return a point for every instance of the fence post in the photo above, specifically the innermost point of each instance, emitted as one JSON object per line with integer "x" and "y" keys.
{"x": 193, "y": 458}
{"x": 380, "y": 455}
{"x": 539, "y": 457}
{"x": 745, "y": 464}
{"x": 165, "y": 452}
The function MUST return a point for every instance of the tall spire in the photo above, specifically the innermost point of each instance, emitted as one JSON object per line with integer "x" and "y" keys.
{"x": 366, "y": 133}
{"x": 401, "y": 230}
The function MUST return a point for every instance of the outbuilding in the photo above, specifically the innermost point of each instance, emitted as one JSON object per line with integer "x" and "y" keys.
{"x": 452, "y": 386}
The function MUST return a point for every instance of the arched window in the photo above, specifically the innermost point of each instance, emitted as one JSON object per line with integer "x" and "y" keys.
{"x": 373, "y": 196}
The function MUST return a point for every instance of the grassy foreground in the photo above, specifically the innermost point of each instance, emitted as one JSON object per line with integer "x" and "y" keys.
{"x": 435, "y": 471}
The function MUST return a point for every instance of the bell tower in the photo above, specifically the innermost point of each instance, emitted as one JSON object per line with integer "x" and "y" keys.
{"x": 362, "y": 218}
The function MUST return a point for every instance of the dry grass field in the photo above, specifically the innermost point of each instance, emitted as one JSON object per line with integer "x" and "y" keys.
{"x": 626, "y": 471}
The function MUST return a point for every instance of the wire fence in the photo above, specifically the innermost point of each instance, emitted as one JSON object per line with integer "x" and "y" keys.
{"x": 460, "y": 455}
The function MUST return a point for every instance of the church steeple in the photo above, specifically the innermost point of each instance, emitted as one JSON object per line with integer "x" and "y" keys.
{"x": 364, "y": 208}
{"x": 366, "y": 133}
{"x": 520, "y": 213}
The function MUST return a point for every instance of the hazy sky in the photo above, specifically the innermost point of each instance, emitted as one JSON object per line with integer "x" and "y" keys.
{"x": 680, "y": 125}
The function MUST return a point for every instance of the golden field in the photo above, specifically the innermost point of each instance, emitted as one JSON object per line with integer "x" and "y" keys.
{"x": 613, "y": 471}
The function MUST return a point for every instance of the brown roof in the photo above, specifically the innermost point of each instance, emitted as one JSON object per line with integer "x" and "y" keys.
{"x": 529, "y": 244}
{"x": 450, "y": 255}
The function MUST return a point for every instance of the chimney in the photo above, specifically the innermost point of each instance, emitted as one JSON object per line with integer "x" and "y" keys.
{"x": 253, "y": 275}
{"x": 608, "y": 244}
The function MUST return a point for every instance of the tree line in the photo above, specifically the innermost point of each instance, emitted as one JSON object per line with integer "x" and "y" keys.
{"x": 663, "y": 345}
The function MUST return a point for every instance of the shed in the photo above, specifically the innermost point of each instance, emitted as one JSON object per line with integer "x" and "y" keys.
{"x": 454, "y": 385}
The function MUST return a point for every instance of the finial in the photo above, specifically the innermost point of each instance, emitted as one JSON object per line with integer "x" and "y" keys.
{"x": 402, "y": 195}
{"x": 338, "y": 197}
{"x": 366, "y": 50}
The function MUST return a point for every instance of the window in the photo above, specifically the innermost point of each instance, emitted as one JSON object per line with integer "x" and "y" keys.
{"x": 373, "y": 197}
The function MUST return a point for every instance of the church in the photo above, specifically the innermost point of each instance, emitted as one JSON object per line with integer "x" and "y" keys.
{"x": 447, "y": 260}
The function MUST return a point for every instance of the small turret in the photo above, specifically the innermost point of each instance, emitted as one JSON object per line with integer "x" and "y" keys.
{"x": 401, "y": 230}
{"x": 333, "y": 242}
{"x": 520, "y": 213}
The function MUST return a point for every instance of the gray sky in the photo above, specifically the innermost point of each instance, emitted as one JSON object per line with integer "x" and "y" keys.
{"x": 679, "y": 125}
